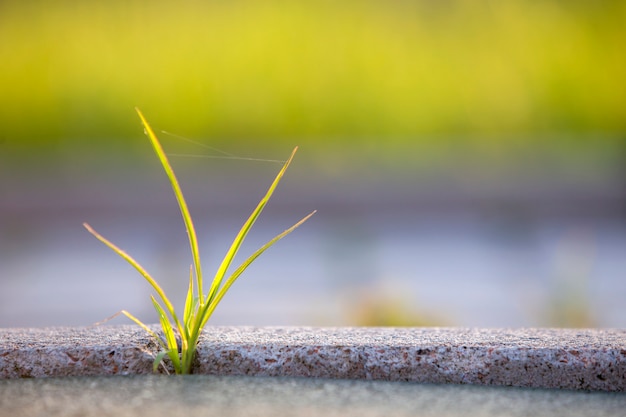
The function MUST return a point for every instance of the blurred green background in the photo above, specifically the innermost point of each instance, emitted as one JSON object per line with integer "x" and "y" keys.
{"x": 507, "y": 110}
{"x": 395, "y": 83}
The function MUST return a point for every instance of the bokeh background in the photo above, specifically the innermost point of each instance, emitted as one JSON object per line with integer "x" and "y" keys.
{"x": 467, "y": 158}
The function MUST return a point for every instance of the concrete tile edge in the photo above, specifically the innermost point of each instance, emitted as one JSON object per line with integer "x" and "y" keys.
{"x": 581, "y": 359}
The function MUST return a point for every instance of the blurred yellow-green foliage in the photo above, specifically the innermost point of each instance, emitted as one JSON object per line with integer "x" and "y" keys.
{"x": 349, "y": 72}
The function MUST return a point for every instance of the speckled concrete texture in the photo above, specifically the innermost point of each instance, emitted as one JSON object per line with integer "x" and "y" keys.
{"x": 592, "y": 360}
{"x": 75, "y": 351}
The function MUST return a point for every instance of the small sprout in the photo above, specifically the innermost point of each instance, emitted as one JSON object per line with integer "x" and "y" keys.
{"x": 180, "y": 338}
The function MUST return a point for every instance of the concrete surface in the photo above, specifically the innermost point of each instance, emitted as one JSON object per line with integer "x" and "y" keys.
{"x": 239, "y": 396}
{"x": 593, "y": 360}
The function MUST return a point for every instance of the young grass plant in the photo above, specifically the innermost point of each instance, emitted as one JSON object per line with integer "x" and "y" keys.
{"x": 181, "y": 336}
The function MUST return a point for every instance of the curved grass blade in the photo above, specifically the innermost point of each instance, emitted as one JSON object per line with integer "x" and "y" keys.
{"x": 140, "y": 269}
{"x": 161, "y": 355}
{"x": 157, "y": 361}
{"x": 170, "y": 337}
{"x": 243, "y": 232}
{"x": 134, "y": 263}
{"x": 191, "y": 303}
{"x": 182, "y": 204}
{"x": 208, "y": 310}
{"x": 146, "y": 328}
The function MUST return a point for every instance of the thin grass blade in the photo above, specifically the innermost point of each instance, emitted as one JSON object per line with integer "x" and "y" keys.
{"x": 139, "y": 269}
{"x": 208, "y": 310}
{"x": 182, "y": 204}
{"x": 189, "y": 304}
{"x": 170, "y": 337}
{"x": 168, "y": 330}
{"x": 146, "y": 328}
{"x": 157, "y": 361}
{"x": 243, "y": 232}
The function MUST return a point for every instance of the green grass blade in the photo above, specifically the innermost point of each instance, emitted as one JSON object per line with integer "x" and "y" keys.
{"x": 139, "y": 269}
{"x": 208, "y": 311}
{"x": 160, "y": 341}
{"x": 168, "y": 330}
{"x": 190, "y": 304}
{"x": 170, "y": 336}
{"x": 158, "y": 360}
{"x": 243, "y": 232}
{"x": 182, "y": 204}
{"x": 146, "y": 328}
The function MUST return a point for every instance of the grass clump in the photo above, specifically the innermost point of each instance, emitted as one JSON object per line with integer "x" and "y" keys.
{"x": 181, "y": 336}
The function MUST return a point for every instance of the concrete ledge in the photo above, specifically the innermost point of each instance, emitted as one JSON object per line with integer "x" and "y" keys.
{"x": 546, "y": 358}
